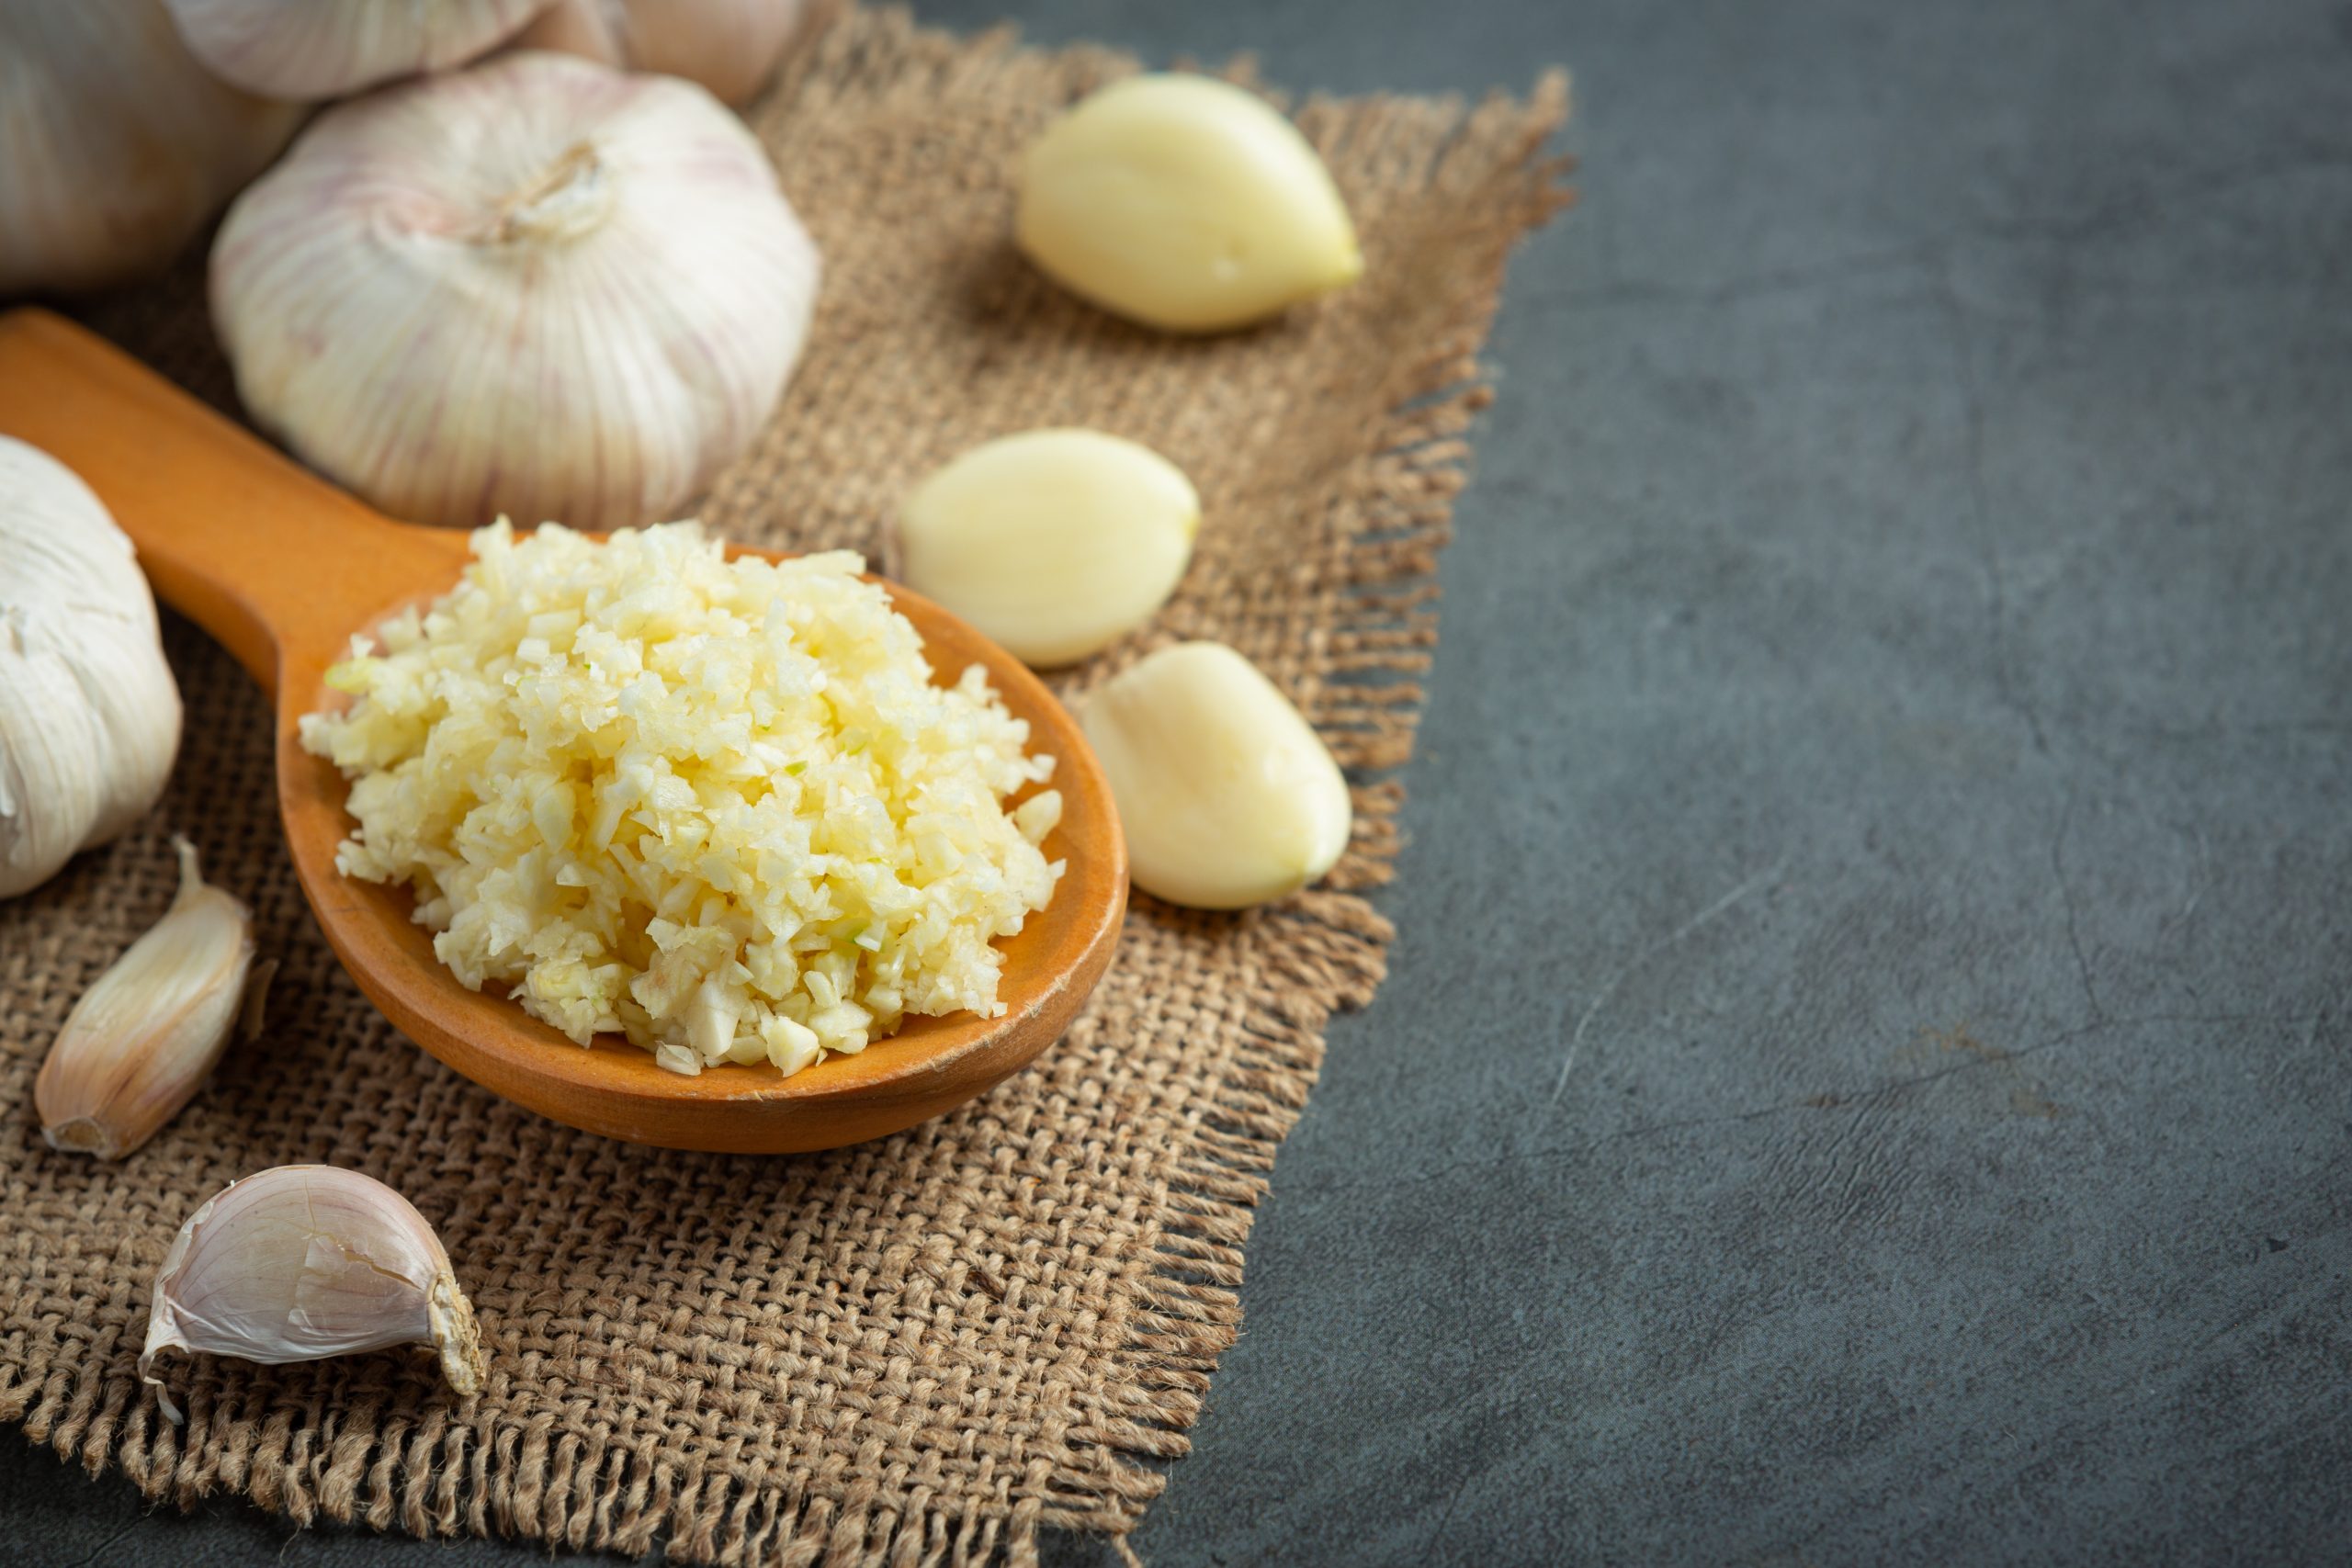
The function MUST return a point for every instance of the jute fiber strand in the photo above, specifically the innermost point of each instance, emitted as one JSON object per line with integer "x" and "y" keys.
{"x": 916, "y": 1351}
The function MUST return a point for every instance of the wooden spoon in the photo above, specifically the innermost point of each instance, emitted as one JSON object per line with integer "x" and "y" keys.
{"x": 282, "y": 569}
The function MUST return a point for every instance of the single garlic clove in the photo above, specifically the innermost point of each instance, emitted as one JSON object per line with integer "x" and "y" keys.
{"x": 303, "y": 1262}
{"x": 534, "y": 286}
{"x": 1227, "y": 798}
{"x": 1184, "y": 203}
{"x": 1055, "y": 543}
{"x": 325, "y": 49}
{"x": 142, "y": 1040}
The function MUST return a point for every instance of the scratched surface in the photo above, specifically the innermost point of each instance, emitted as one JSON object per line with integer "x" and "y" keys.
{"x": 1864, "y": 1077}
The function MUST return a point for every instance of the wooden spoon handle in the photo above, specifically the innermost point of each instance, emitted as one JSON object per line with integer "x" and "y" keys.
{"x": 257, "y": 551}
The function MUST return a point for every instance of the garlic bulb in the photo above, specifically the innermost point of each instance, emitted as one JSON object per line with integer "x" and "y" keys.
{"x": 536, "y": 288}
{"x": 89, "y": 717}
{"x": 1185, "y": 203}
{"x": 142, "y": 1041}
{"x": 323, "y": 49}
{"x": 117, "y": 144}
{"x": 306, "y": 1261}
{"x": 1055, "y": 543}
{"x": 729, "y": 46}
{"x": 1227, "y": 796}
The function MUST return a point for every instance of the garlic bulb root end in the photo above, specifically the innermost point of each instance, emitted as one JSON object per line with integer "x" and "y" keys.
{"x": 456, "y": 1335}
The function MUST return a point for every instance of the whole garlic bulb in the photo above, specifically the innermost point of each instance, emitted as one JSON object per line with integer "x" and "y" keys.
{"x": 729, "y": 46}
{"x": 536, "y": 288}
{"x": 323, "y": 49}
{"x": 118, "y": 144}
{"x": 89, "y": 717}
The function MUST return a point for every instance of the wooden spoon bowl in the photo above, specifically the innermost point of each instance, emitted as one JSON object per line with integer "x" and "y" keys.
{"x": 282, "y": 569}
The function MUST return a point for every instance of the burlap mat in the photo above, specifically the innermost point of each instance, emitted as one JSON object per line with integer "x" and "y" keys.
{"x": 921, "y": 1349}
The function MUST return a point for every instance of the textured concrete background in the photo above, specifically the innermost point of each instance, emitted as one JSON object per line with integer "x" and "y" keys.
{"x": 1863, "y": 1079}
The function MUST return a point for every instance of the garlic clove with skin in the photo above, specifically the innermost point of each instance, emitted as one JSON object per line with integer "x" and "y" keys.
{"x": 729, "y": 46}
{"x": 142, "y": 1040}
{"x": 534, "y": 287}
{"x": 302, "y": 1262}
{"x": 322, "y": 49}
{"x": 1227, "y": 795}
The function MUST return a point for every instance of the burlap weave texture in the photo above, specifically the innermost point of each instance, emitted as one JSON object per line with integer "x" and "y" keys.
{"x": 925, "y": 1347}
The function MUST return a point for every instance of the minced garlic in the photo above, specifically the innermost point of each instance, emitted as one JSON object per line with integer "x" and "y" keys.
{"x": 715, "y": 806}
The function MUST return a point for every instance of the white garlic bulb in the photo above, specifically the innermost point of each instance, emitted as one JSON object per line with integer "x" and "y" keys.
{"x": 536, "y": 288}
{"x": 301, "y": 1262}
{"x": 115, "y": 144}
{"x": 1184, "y": 203}
{"x": 1227, "y": 795}
{"x": 729, "y": 46}
{"x": 323, "y": 49}
{"x": 89, "y": 717}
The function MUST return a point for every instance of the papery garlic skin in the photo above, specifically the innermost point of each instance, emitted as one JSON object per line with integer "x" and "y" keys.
{"x": 1227, "y": 795}
{"x": 534, "y": 287}
{"x": 147, "y": 1033}
{"x": 89, "y": 717}
{"x": 302, "y": 1262}
{"x": 1184, "y": 203}
{"x": 729, "y": 46}
{"x": 115, "y": 144}
{"x": 1055, "y": 543}
{"x": 323, "y": 49}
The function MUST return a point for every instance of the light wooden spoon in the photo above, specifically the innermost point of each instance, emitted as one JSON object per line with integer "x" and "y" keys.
{"x": 282, "y": 569}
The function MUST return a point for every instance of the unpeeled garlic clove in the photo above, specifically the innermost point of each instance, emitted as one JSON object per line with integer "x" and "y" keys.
{"x": 1185, "y": 203}
{"x": 323, "y": 49}
{"x": 142, "y": 1040}
{"x": 302, "y": 1262}
{"x": 1055, "y": 543}
{"x": 1226, "y": 795}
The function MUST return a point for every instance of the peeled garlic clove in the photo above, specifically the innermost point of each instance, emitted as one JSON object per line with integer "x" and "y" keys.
{"x": 115, "y": 144}
{"x": 1055, "y": 543}
{"x": 89, "y": 715}
{"x": 142, "y": 1040}
{"x": 729, "y": 46}
{"x": 323, "y": 49}
{"x": 1185, "y": 203}
{"x": 1227, "y": 795}
{"x": 534, "y": 287}
{"x": 307, "y": 1261}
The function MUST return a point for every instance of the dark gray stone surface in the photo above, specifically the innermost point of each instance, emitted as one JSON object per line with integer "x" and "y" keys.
{"x": 1863, "y": 1079}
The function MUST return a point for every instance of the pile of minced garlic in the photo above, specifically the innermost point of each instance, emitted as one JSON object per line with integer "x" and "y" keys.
{"x": 718, "y": 806}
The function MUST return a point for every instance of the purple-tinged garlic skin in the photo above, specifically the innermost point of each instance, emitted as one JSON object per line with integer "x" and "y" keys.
{"x": 302, "y": 1262}
{"x": 537, "y": 288}
{"x": 148, "y": 1032}
{"x": 310, "y": 49}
